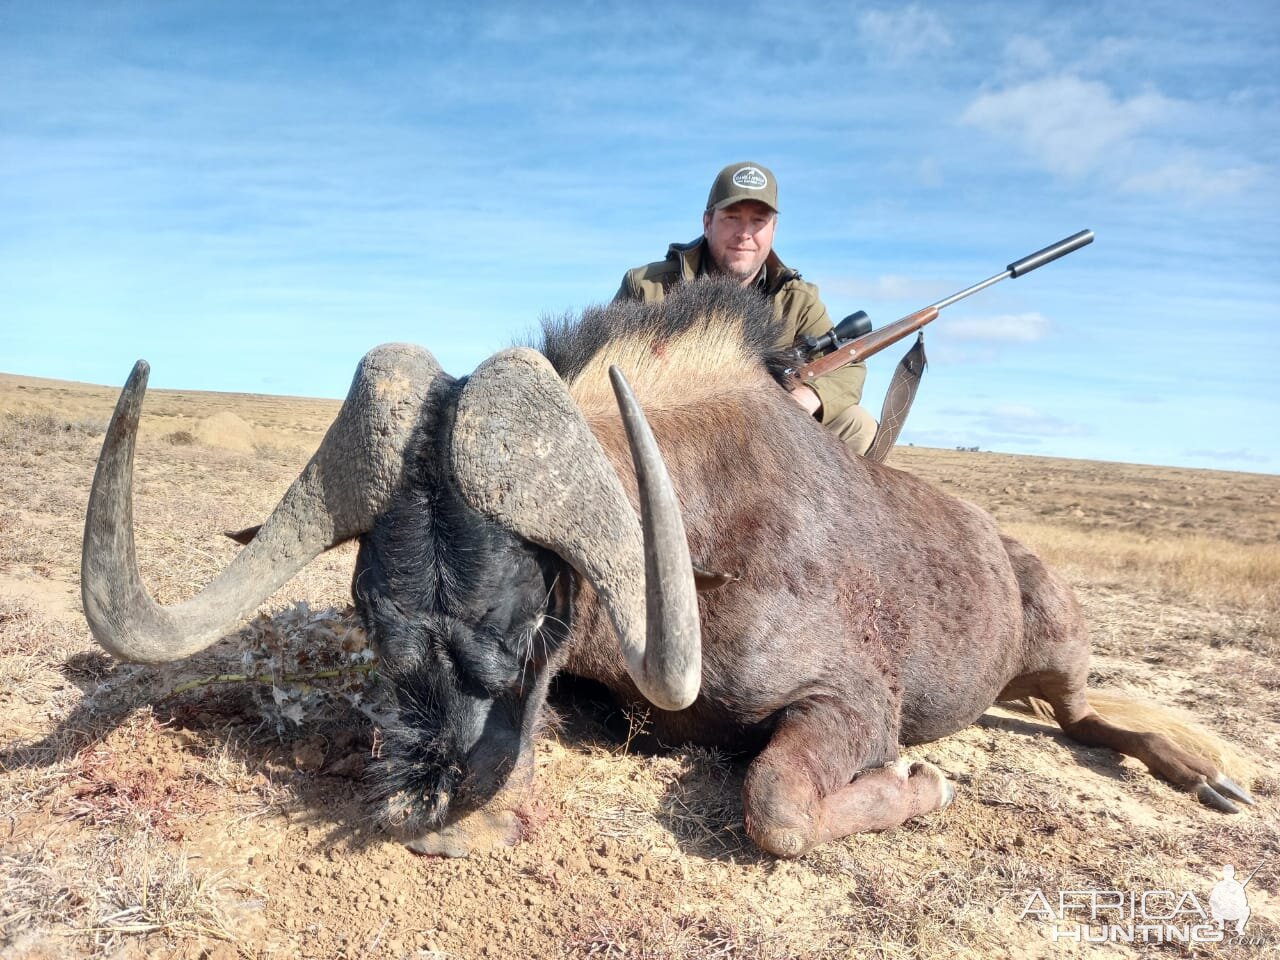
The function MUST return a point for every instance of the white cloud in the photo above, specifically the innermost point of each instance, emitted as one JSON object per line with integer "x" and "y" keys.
{"x": 1028, "y": 53}
{"x": 1109, "y": 53}
{"x": 1069, "y": 124}
{"x": 903, "y": 34}
{"x": 999, "y": 426}
{"x": 888, "y": 287}
{"x": 1024, "y": 421}
{"x": 1187, "y": 175}
{"x": 945, "y": 439}
{"x": 1074, "y": 127}
{"x": 1003, "y": 327}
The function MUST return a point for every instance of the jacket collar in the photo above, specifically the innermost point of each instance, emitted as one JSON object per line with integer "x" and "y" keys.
{"x": 692, "y": 256}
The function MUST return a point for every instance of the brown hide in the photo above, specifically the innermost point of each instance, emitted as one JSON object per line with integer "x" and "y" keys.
{"x": 857, "y": 582}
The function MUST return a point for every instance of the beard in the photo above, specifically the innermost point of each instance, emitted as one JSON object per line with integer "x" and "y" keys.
{"x": 741, "y": 269}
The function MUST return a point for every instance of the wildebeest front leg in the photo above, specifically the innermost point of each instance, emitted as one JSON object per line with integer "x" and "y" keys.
{"x": 827, "y": 773}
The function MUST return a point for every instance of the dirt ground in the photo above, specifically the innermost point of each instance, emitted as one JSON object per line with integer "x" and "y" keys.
{"x": 154, "y": 813}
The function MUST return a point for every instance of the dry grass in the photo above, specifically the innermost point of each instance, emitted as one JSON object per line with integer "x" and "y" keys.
{"x": 93, "y": 854}
{"x": 98, "y": 808}
{"x": 23, "y": 664}
{"x": 39, "y": 432}
{"x": 1209, "y": 569}
{"x": 95, "y": 892}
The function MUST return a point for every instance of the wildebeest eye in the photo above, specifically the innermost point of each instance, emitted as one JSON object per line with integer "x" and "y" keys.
{"x": 484, "y": 661}
{"x": 520, "y": 643}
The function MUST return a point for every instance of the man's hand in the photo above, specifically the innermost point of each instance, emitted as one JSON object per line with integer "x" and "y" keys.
{"x": 808, "y": 399}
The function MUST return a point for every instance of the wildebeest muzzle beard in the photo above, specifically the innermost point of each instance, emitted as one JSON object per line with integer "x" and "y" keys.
{"x": 448, "y": 754}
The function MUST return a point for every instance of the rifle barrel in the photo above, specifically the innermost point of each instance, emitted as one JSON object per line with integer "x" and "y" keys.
{"x": 970, "y": 291}
{"x": 1050, "y": 253}
{"x": 1024, "y": 266}
{"x": 877, "y": 340}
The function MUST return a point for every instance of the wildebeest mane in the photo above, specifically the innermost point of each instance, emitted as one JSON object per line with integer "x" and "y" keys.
{"x": 703, "y": 341}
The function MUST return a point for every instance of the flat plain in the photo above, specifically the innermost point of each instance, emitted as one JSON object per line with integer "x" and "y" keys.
{"x": 196, "y": 811}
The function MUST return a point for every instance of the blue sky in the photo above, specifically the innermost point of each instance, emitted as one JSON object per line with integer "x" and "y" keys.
{"x": 250, "y": 195}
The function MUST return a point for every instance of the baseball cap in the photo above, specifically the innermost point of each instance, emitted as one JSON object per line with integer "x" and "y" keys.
{"x": 743, "y": 181}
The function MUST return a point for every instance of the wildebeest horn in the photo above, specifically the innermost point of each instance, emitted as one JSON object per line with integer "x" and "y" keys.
{"x": 524, "y": 455}
{"x": 337, "y": 496}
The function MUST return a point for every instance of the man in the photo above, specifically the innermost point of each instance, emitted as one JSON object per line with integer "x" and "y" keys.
{"x": 737, "y": 240}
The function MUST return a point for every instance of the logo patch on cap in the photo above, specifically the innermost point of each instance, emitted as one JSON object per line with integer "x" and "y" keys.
{"x": 750, "y": 178}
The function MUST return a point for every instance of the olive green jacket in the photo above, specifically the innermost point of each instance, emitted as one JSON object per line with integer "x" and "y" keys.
{"x": 795, "y": 301}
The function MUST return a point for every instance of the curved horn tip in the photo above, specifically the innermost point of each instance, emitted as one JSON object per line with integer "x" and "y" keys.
{"x": 138, "y": 375}
{"x": 619, "y": 381}
{"x": 676, "y": 698}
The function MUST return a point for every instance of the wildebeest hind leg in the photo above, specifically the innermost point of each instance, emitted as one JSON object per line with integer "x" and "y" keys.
{"x": 1056, "y": 668}
{"x": 821, "y": 778}
{"x": 1166, "y": 759}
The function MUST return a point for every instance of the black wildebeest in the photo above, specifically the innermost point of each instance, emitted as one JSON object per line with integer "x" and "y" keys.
{"x": 857, "y": 607}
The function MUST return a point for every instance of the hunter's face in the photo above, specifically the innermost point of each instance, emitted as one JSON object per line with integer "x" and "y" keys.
{"x": 739, "y": 238}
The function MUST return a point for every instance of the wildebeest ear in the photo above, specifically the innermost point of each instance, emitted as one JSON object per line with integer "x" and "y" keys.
{"x": 242, "y": 537}
{"x": 706, "y": 580}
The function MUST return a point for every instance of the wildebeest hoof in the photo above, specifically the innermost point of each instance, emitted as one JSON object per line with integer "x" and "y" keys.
{"x": 1229, "y": 788}
{"x": 948, "y": 795}
{"x": 1210, "y": 797}
{"x": 938, "y": 791}
{"x": 786, "y": 843}
{"x": 900, "y": 768}
{"x": 475, "y": 833}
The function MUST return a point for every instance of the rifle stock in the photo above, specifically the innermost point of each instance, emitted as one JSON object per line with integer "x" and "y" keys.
{"x": 866, "y": 345}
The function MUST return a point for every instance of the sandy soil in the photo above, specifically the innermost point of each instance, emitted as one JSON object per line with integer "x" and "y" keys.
{"x": 144, "y": 820}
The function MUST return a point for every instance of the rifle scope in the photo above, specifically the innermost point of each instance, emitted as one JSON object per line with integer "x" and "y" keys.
{"x": 850, "y": 328}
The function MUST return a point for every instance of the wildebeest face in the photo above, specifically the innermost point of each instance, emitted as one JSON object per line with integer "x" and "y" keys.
{"x": 467, "y": 620}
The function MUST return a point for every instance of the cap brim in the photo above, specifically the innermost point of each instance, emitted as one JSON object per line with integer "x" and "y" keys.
{"x": 738, "y": 198}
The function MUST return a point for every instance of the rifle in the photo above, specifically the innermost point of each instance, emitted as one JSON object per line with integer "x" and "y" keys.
{"x": 906, "y": 377}
{"x": 874, "y": 341}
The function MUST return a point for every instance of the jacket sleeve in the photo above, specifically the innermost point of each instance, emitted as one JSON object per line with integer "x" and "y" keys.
{"x": 626, "y": 290}
{"x": 840, "y": 389}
